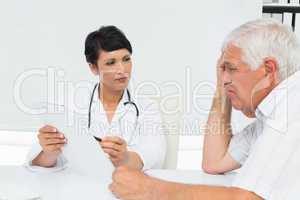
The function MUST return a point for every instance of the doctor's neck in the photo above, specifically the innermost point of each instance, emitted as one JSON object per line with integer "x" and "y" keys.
{"x": 109, "y": 96}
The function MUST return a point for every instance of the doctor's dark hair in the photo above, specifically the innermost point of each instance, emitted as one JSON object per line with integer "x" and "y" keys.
{"x": 107, "y": 38}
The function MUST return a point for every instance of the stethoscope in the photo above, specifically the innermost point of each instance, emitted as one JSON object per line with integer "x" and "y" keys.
{"x": 129, "y": 102}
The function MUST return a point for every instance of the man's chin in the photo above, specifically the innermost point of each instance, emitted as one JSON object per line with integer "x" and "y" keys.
{"x": 249, "y": 114}
{"x": 236, "y": 106}
{"x": 246, "y": 112}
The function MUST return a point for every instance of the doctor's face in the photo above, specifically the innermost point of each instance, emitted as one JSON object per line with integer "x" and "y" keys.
{"x": 114, "y": 69}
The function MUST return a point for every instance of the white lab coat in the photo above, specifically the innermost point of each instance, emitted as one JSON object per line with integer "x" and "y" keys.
{"x": 144, "y": 134}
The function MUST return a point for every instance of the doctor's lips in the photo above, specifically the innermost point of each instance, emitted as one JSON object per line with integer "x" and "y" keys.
{"x": 122, "y": 79}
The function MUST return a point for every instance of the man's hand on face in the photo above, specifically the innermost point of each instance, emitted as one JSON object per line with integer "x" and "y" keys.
{"x": 220, "y": 89}
{"x": 129, "y": 184}
{"x": 220, "y": 70}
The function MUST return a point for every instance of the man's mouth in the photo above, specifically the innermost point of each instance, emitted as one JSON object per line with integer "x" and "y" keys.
{"x": 230, "y": 93}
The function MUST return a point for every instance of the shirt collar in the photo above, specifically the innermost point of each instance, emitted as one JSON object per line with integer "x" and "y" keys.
{"x": 273, "y": 111}
{"x": 277, "y": 96}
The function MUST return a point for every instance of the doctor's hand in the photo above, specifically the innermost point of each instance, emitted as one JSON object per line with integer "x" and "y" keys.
{"x": 51, "y": 140}
{"x": 116, "y": 148}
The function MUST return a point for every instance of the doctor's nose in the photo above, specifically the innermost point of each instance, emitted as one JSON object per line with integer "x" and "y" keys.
{"x": 120, "y": 67}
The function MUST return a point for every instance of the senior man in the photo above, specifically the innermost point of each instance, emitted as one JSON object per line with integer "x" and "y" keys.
{"x": 258, "y": 75}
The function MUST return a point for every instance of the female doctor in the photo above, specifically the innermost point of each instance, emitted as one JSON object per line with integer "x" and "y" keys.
{"x": 127, "y": 129}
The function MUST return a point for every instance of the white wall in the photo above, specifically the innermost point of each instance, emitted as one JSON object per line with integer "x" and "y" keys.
{"x": 175, "y": 43}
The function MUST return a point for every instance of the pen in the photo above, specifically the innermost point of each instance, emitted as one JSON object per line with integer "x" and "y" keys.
{"x": 98, "y": 139}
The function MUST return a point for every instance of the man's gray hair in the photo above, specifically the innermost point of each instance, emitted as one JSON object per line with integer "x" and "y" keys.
{"x": 263, "y": 38}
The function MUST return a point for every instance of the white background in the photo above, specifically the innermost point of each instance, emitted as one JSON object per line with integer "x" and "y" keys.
{"x": 175, "y": 44}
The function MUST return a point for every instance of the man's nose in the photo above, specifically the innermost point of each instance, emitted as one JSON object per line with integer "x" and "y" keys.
{"x": 226, "y": 78}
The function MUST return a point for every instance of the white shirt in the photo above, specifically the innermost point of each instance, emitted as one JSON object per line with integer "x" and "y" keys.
{"x": 144, "y": 134}
{"x": 269, "y": 148}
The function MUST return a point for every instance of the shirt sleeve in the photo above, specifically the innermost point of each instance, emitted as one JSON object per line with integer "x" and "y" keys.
{"x": 240, "y": 143}
{"x": 34, "y": 152}
{"x": 272, "y": 168}
{"x": 151, "y": 142}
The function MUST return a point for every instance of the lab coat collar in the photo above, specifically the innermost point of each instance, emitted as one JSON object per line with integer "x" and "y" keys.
{"x": 121, "y": 108}
{"x": 124, "y": 98}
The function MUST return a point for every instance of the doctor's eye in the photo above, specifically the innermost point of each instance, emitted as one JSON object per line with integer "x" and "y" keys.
{"x": 110, "y": 62}
{"x": 126, "y": 58}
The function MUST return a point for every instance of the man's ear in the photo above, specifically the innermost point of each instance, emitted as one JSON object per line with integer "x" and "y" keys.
{"x": 270, "y": 65}
{"x": 271, "y": 69}
{"x": 94, "y": 69}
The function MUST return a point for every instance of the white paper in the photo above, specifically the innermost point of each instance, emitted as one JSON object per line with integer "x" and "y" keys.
{"x": 82, "y": 151}
{"x": 86, "y": 157}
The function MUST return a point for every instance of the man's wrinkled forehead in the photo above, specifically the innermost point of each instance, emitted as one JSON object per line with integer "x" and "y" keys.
{"x": 231, "y": 54}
